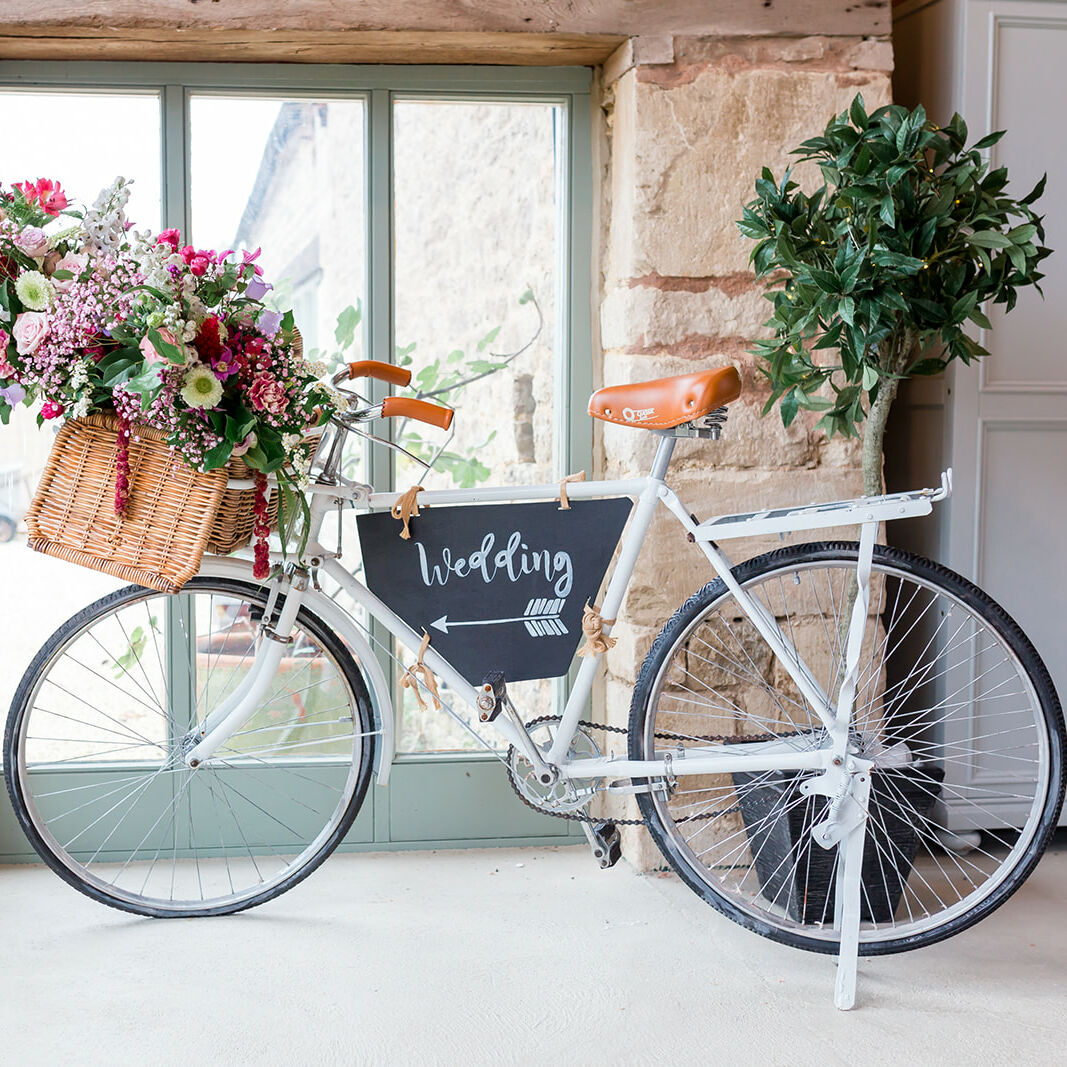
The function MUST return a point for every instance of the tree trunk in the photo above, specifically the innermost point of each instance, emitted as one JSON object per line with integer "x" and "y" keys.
{"x": 874, "y": 436}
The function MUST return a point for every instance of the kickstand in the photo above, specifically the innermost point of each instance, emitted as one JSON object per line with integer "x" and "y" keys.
{"x": 847, "y": 897}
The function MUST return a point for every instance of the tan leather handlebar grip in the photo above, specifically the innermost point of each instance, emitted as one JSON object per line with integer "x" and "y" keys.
{"x": 383, "y": 372}
{"x": 403, "y": 407}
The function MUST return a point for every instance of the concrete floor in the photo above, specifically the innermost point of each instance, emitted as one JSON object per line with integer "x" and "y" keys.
{"x": 508, "y": 957}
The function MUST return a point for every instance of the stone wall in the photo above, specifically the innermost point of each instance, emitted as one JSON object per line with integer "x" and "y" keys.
{"x": 687, "y": 138}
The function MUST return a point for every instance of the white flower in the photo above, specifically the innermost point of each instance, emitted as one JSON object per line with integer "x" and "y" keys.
{"x": 201, "y": 389}
{"x": 317, "y": 368}
{"x": 35, "y": 290}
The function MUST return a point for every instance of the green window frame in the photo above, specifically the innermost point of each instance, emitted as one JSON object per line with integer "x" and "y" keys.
{"x": 433, "y": 800}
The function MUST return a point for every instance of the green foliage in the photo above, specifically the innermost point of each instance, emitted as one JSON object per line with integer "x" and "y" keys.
{"x": 886, "y": 264}
{"x": 442, "y": 379}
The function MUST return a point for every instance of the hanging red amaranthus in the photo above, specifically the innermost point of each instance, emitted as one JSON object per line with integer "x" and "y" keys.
{"x": 122, "y": 467}
{"x": 261, "y": 527}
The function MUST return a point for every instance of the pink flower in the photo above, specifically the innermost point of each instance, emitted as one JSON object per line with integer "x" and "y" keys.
{"x": 51, "y": 409}
{"x": 268, "y": 394}
{"x": 248, "y": 259}
{"x": 169, "y": 237}
{"x": 48, "y": 194}
{"x": 33, "y": 241}
{"x": 30, "y": 329}
{"x": 245, "y": 445}
{"x": 198, "y": 264}
{"x": 148, "y": 350}
{"x": 73, "y": 262}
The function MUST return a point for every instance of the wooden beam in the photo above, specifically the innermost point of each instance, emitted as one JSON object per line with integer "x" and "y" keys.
{"x": 113, "y": 19}
{"x": 308, "y": 46}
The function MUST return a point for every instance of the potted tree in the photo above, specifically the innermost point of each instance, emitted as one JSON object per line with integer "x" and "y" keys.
{"x": 875, "y": 277}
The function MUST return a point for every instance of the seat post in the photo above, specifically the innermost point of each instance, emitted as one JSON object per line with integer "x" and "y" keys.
{"x": 663, "y": 456}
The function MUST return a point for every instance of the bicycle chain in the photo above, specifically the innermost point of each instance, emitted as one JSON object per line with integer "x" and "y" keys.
{"x": 571, "y": 816}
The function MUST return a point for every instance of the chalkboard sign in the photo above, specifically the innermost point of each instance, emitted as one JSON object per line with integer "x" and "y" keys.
{"x": 497, "y": 587}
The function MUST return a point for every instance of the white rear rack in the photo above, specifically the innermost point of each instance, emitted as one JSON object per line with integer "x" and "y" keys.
{"x": 819, "y": 516}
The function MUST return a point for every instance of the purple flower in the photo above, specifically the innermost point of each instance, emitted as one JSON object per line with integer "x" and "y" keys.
{"x": 13, "y": 394}
{"x": 257, "y": 289}
{"x": 269, "y": 321}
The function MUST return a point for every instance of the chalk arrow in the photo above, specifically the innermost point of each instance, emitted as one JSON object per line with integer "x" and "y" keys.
{"x": 541, "y": 619}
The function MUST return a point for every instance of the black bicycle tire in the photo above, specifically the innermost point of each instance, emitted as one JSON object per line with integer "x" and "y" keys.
{"x": 316, "y": 626}
{"x": 938, "y": 575}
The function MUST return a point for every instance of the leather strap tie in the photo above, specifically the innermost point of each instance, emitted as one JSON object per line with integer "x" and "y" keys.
{"x": 410, "y": 679}
{"x": 406, "y": 508}
{"x": 564, "y": 503}
{"x": 596, "y": 641}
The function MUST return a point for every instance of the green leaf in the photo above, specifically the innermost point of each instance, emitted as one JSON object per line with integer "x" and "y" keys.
{"x": 1022, "y": 234}
{"x": 857, "y": 113}
{"x": 886, "y": 212}
{"x": 217, "y": 456}
{"x": 171, "y": 353}
{"x": 488, "y": 339}
{"x": 480, "y": 366}
{"x": 847, "y": 309}
{"x": 789, "y": 406}
{"x": 1036, "y": 192}
{"x": 347, "y": 323}
{"x": 989, "y": 140}
{"x": 979, "y": 316}
{"x": 870, "y": 377}
{"x": 988, "y": 239}
{"x": 526, "y": 297}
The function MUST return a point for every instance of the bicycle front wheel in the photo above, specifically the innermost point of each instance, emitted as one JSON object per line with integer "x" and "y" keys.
{"x": 953, "y": 705}
{"x": 93, "y": 753}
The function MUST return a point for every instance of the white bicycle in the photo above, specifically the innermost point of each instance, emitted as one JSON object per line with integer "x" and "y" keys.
{"x": 799, "y": 740}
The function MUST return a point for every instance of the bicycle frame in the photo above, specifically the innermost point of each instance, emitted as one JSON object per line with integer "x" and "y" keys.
{"x": 646, "y": 493}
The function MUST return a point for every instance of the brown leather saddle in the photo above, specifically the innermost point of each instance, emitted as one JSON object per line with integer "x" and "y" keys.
{"x": 663, "y": 403}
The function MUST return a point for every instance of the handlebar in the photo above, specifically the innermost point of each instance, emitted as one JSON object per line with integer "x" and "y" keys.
{"x": 403, "y": 407}
{"x": 373, "y": 368}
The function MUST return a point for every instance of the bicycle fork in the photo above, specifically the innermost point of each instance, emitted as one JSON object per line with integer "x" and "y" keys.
{"x": 203, "y": 741}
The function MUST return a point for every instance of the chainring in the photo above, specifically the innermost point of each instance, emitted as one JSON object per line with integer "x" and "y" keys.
{"x": 562, "y": 798}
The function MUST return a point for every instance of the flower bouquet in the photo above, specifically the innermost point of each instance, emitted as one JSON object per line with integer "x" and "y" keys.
{"x": 149, "y": 339}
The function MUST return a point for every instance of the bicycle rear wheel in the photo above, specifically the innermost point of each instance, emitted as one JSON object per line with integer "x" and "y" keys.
{"x": 94, "y": 744}
{"x": 954, "y": 706}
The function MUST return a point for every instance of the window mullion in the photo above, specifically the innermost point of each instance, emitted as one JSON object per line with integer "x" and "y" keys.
{"x": 175, "y": 161}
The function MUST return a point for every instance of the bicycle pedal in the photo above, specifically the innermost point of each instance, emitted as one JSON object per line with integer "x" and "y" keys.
{"x": 606, "y": 844}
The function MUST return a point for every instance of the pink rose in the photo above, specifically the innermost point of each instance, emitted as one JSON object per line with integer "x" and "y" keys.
{"x": 267, "y": 394}
{"x": 198, "y": 264}
{"x": 148, "y": 350}
{"x": 169, "y": 237}
{"x": 33, "y": 241}
{"x": 73, "y": 262}
{"x": 30, "y": 329}
{"x": 51, "y": 409}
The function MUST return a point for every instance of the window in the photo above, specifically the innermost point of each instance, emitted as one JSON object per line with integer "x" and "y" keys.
{"x": 438, "y": 217}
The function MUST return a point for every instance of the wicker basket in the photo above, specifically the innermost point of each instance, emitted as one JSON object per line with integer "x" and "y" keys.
{"x": 174, "y": 515}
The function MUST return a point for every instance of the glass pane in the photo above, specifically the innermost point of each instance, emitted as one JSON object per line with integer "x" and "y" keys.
{"x": 476, "y": 229}
{"x": 58, "y": 135}
{"x": 286, "y": 176}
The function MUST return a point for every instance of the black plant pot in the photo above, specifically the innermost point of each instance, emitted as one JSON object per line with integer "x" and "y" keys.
{"x": 900, "y": 797}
